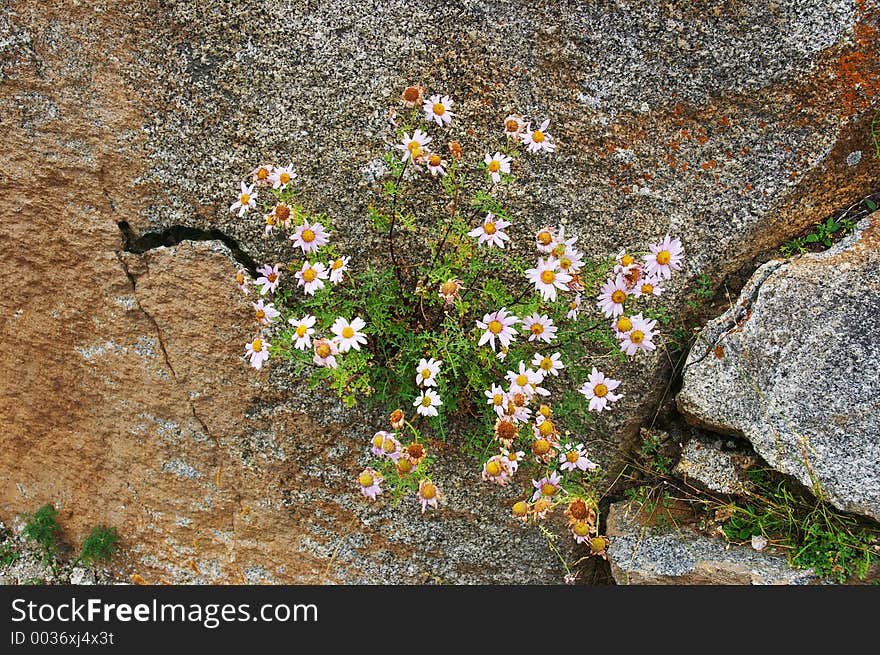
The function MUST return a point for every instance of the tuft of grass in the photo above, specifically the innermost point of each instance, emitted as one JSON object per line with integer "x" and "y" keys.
{"x": 8, "y": 555}
{"x": 812, "y": 532}
{"x": 100, "y": 545}
{"x": 42, "y": 527}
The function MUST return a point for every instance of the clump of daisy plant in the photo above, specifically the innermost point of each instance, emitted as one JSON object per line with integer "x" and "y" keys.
{"x": 468, "y": 325}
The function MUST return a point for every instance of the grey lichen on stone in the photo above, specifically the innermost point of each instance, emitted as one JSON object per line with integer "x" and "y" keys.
{"x": 705, "y": 463}
{"x": 793, "y": 367}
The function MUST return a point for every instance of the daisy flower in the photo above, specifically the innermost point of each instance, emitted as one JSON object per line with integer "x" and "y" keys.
{"x": 241, "y": 280}
{"x": 427, "y": 403}
{"x": 303, "y": 330}
{"x": 612, "y": 296}
{"x": 538, "y": 140}
{"x": 496, "y": 165}
{"x": 282, "y": 215}
{"x": 664, "y": 258}
{"x": 310, "y": 237}
{"x": 261, "y": 175}
{"x": 514, "y": 126}
{"x": 427, "y": 372}
{"x": 580, "y": 530}
{"x": 545, "y": 239}
{"x": 325, "y": 353}
{"x": 397, "y": 418}
{"x": 496, "y": 470}
{"x": 498, "y": 324}
{"x": 513, "y": 457}
{"x": 497, "y": 398}
{"x": 650, "y": 286}
{"x": 428, "y": 494}
{"x": 377, "y": 441}
{"x": 625, "y": 261}
{"x": 438, "y": 109}
{"x": 282, "y": 176}
{"x": 543, "y": 450}
{"x": 417, "y": 453}
{"x": 574, "y": 307}
{"x": 523, "y": 381}
{"x": 598, "y": 390}
{"x": 337, "y": 267}
{"x": 547, "y": 364}
{"x": 413, "y": 146}
{"x": 311, "y": 277}
{"x": 449, "y": 290}
{"x": 561, "y": 245}
{"x": 390, "y": 447}
{"x": 622, "y": 325}
{"x": 269, "y": 278}
{"x": 598, "y": 546}
{"x": 574, "y": 457}
{"x": 505, "y": 431}
{"x": 578, "y": 510}
{"x": 247, "y": 199}
{"x": 571, "y": 260}
{"x": 517, "y": 409}
{"x": 539, "y": 326}
{"x": 548, "y": 486}
{"x": 349, "y": 335}
{"x": 547, "y": 278}
{"x": 258, "y": 351}
{"x": 413, "y": 95}
{"x": 544, "y": 428}
{"x": 520, "y": 510}
{"x": 369, "y": 481}
{"x": 491, "y": 231}
{"x": 436, "y": 164}
{"x": 265, "y": 313}
{"x": 639, "y": 337}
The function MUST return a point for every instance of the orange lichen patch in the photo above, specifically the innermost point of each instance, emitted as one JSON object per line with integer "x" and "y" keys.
{"x": 709, "y": 165}
{"x": 219, "y": 476}
{"x": 719, "y": 352}
{"x": 678, "y": 110}
{"x": 194, "y": 567}
{"x": 685, "y": 134}
{"x": 724, "y": 121}
{"x": 793, "y": 174}
{"x": 674, "y": 145}
{"x": 138, "y": 580}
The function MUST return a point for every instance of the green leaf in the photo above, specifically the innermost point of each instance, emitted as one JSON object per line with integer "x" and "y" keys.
{"x": 812, "y": 237}
{"x": 870, "y": 204}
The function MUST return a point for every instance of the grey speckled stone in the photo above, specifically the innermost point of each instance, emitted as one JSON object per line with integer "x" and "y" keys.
{"x": 642, "y": 555}
{"x": 705, "y": 463}
{"x": 798, "y": 371}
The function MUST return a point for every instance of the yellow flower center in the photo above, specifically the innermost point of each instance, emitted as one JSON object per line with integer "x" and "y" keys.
{"x": 544, "y": 237}
{"x": 546, "y": 428}
{"x": 637, "y": 336}
{"x": 337, "y": 264}
{"x": 262, "y": 174}
{"x": 434, "y": 160}
{"x": 558, "y": 251}
{"x": 426, "y": 401}
{"x": 547, "y": 277}
{"x": 522, "y": 380}
{"x": 310, "y": 274}
{"x": 307, "y": 235}
{"x": 600, "y": 390}
{"x": 565, "y": 263}
{"x": 245, "y": 199}
{"x": 493, "y": 468}
{"x": 428, "y": 490}
{"x": 624, "y": 324}
{"x": 365, "y": 479}
{"x": 549, "y": 489}
{"x": 239, "y": 278}
{"x": 284, "y": 177}
{"x": 347, "y": 332}
{"x": 663, "y": 257}
{"x": 545, "y": 411}
{"x": 377, "y": 440}
{"x": 572, "y": 305}
{"x": 389, "y": 446}
{"x": 511, "y": 126}
{"x": 448, "y": 288}
{"x": 497, "y": 399}
{"x": 438, "y": 108}
{"x": 520, "y": 508}
{"x": 426, "y": 373}
{"x": 618, "y": 296}
{"x": 301, "y": 331}
{"x": 572, "y": 456}
{"x": 404, "y": 465}
{"x": 494, "y": 166}
{"x": 323, "y": 351}
{"x": 537, "y": 328}
{"x": 414, "y": 148}
{"x": 260, "y": 314}
{"x": 270, "y": 219}
{"x": 647, "y": 287}
{"x": 541, "y": 446}
{"x": 489, "y": 227}
{"x": 581, "y": 529}
{"x": 511, "y": 456}
{"x": 495, "y": 327}
{"x": 538, "y": 136}
{"x": 546, "y": 363}
{"x": 257, "y": 345}
{"x": 626, "y": 260}
{"x": 597, "y": 544}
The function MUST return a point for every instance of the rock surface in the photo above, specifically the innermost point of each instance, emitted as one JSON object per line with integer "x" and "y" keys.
{"x": 793, "y": 366}
{"x": 705, "y": 462}
{"x": 123, "y": 393}
{"x": 651, "y": 555}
